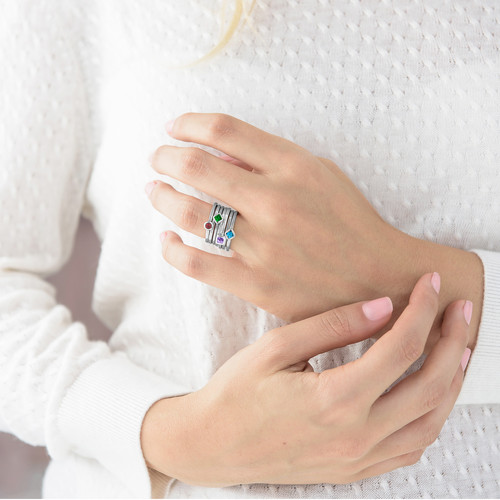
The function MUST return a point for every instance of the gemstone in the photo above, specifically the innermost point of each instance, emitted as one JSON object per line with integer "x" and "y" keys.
{"x": 220, "y": 240}
{"x": 230, "y": 234}
{"x": 218, "y": 218}
{"x": 208, "y": 225}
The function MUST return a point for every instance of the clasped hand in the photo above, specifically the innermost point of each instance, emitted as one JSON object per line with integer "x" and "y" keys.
{"x": 306, "y": 238}
{"x": 267, "y": 417}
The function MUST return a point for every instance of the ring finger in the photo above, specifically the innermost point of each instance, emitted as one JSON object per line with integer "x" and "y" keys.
{"x": 190, "y": 213}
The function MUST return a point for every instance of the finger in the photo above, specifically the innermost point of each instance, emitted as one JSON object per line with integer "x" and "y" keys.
{"x": 389, "y": 465}
{"x": 420, "y": 433}
{"x": 425, "y": 389}
{"x": 206, "y": 172}
{"x": 191, "y": 214}
{"x": 400, "y": 347}
{"x": 237, "y": 138}
{"x": 215, "y": 270}
{"x": 300, "y": 341}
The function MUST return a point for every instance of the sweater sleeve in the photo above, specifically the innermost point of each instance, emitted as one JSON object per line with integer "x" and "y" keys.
{"x": 482, "y": 378}
{"x": 57, "y": 388}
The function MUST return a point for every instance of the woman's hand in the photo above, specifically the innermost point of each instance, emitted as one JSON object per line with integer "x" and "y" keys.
{"x": 266, "y": 417}
{"x": 306, "y": 238}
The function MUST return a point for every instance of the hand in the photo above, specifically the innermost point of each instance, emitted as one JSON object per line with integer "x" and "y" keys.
{"x": 306, "y": 238}
{"x": 266, "y": 417}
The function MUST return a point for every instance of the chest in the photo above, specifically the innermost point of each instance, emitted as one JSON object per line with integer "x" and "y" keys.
{"x": 404, "y": 99}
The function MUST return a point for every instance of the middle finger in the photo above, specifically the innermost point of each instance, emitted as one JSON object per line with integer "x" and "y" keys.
{"x": 206, "y": 172}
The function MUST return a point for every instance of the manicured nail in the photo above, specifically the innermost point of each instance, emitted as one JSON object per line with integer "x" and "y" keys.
{"x": 465, "y": 358}
{"x": 169, "y": 125}
{"x": 378, "y": 308}
{"x": 163, "y": 236}
{"x": 468, "y": 311}
{"x": 149, "y": 187}
{"x": 436, "y": 282}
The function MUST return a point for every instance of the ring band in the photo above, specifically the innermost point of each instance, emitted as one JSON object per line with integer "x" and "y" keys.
{"x": 219, "y": 229}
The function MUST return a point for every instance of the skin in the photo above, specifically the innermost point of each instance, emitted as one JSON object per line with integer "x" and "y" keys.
{"x": 267, "y": 417}
{"x": 306, "y": 240}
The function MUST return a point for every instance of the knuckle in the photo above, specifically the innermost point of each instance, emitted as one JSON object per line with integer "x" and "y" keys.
{"x": 336, "y": 323}
{"x": 434, "y": 394}
{"x": 295, "y": 162}
{"x": 219, "y": 127}
{"x": 191, "y": 265}
{"x": 411, "y": 347}
{"x": 193, "y": 162}
{"x": 188, "y": 215}
{"x": 429, "y": 433}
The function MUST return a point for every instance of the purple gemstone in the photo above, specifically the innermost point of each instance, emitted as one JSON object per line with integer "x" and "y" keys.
{"x": 220, "y": 240}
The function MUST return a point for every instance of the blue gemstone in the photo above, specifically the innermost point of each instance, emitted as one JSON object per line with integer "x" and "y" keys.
{"x": 230, "y": 234}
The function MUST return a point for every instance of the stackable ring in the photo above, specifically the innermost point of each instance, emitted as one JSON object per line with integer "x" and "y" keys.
{"x": 220, "y": 226}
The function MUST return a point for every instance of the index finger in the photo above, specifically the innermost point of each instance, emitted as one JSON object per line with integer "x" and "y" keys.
{"x": 400, "y": 347}
{"x": 234, "y": 137}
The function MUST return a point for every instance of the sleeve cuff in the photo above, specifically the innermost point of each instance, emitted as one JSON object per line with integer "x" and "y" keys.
{"x": 482, "y": 379}
{"x": 102, "y": 413}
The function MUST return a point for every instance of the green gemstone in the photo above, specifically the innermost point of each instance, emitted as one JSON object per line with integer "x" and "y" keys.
{"x": 218, "y": 218}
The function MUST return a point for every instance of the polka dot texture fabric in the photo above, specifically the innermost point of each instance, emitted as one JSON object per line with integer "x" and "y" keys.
{"x": 403, "y": 96}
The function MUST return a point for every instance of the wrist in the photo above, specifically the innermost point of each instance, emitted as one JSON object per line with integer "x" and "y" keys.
{"x": 461, "y": 278}
{"x": 163, "y": 434}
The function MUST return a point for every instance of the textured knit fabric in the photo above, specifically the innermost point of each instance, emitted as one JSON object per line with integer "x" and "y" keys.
{"x": 403, "y": 96}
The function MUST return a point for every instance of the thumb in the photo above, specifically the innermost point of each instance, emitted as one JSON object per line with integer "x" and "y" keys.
{"x": 300, "y": 341}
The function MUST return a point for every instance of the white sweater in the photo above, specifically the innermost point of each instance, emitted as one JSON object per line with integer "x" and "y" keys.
{"x": 404, "y": 98}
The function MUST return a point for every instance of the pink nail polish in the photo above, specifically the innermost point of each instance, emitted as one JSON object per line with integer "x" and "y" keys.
{"x": 465, "y": 358}
{"x": 163, "y": 236}
{"x": 468, "y": 311}
{"x": 436, "y": 282}
{"x": 169, "y": 126}
{"x": 378, "y": 308}
{"x": 149, "y": 187}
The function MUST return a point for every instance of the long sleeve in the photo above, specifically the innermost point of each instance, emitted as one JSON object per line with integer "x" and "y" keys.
{"x": 482, "y": 379}
{"x": 57, "y": 388}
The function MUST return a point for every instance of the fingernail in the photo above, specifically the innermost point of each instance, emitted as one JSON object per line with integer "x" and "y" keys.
{"x": 169, "y": 125}
{"x": 377, "y": 309}
{"x": 163, "y": 236}
{"x": 149, "y": 187}
{"x": 465, "y": 358}
{"x": 436, "y": 282}
{"x": 467, "y": 311}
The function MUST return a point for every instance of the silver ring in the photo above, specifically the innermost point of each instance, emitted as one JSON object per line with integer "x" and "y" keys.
{"x": 219, "y": 229}
{"x": 220, "y": 237}
{"x": 230, "y": 234}
{"x": 209, "y": 226}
